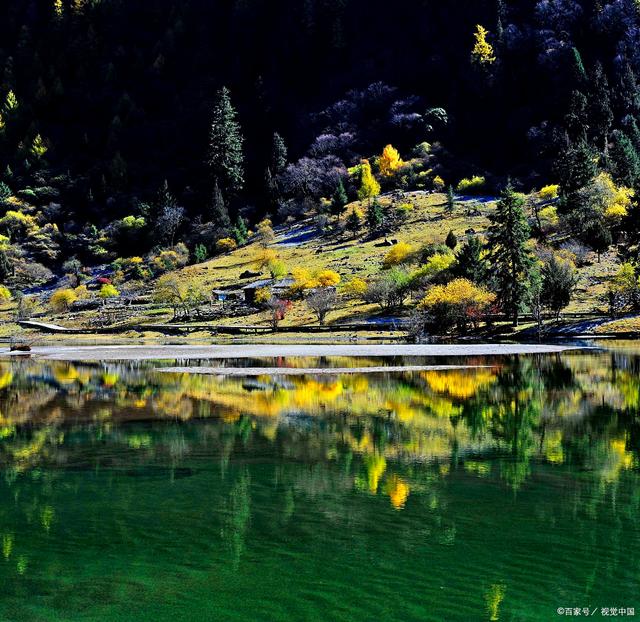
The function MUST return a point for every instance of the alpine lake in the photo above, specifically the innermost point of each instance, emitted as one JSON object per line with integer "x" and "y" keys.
{"x": 507, "y": 490}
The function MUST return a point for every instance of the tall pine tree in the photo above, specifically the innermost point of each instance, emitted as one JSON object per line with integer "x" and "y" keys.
{"x": 510, "y": 260}
{"x": 600, "y": 114}
{"x": 624, "y": 162}
{"x": 225, "y": 146}
{"x": 278, "y": 154}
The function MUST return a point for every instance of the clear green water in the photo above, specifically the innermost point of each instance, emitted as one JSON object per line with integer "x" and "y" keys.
{"x": 499, "y": 493}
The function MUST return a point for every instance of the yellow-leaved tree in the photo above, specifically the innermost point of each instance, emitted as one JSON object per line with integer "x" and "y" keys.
{"x": 369, "y": 186}
{"x": 482, "y": 53}
{"x": 62, "y": 299}
{"x": 390, "y": 161}
{"x": 457, "y": 303}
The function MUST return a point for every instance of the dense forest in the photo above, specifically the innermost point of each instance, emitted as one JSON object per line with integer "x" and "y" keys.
{"x": 138, "y": 125}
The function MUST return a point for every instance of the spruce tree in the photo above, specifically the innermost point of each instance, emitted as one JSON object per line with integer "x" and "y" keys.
{"x": 600, "y": 114}
{"x": 240, "y": 231}
{"x": 631, "y": 129}
{"x": 278, "y": 154}
{"x": 577, "y": 70}
{"x": 225, "y": 146}
{"x": 451, "y": 200}
{"x": 339, "y": 200}
{"x": 627, "y": 92}
{"x": 374, "y": 216}
{"x": 451, "y": 240}
{"x": 576, "y": 121}
{"x": 510, "y": 260}
{"x": 575, "y": 167}
{"x": 624, "y": 162}
{"x": 219, "y": 211}
{"x": 470, "y": 263}
{"x": 353, "y": 222}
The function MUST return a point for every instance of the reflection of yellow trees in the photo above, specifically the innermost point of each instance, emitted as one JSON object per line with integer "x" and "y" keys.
{"x": 398, "y": 491}
{"x": 493, "y": 597}
{"x": 65, "y": 374}
{"x": 7, "y": 545}
{"x": 459, "y": 384}
{"x": 618, "y": 459}
{"x": 376, "y": 466}
{"x": 552, "y": 449}
{"x": 425, "y": 416}
{"x": 6, "y": 378}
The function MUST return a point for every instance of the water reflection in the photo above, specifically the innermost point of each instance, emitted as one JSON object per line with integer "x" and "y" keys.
{"x": 481, "y": 482}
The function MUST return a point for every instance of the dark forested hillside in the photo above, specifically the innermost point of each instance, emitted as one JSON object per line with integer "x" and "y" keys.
{"x": 104, "y": 100}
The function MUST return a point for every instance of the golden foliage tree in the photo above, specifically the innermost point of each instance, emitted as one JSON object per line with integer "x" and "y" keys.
{"x": 369, "y": 186}
{"x": 62, "y": 299}
{"x": 482, "y": 53}
{"x": 390, "y": 161}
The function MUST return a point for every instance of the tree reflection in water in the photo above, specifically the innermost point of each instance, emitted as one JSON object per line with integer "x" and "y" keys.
{"x": 265, "y": 456}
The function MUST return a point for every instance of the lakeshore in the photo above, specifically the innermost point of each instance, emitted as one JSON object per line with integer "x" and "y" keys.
{"x": 246, "y": 351}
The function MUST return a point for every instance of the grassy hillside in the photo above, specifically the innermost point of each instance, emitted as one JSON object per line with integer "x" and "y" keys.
{"x": 301, "y": 245}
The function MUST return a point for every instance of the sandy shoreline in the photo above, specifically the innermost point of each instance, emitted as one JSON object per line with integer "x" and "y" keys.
{"x": 244, "y": 351}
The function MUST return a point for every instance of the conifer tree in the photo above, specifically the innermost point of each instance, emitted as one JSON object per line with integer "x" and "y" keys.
{"x": 353, "y": 222}
{"x": 374, "y": 216}
{"x": 451, "y": 200}
{"x": 631, "y": 129}
{"x": 624, "y": 160}
{"x": 575, "y": 167}
{"x": 225, "y": 146}
{"x": 627, "y": 92}
{"x": 278, "y": 154}
{"x": 451, "y": 240}
{"x": 219, "y": 211}
{"x": 578, "y": 72}
{"x": 470, "y": 263}
{"x": 510, "y": 260}
{"x": 576, "y": 121}
{"x": 339, "y": 200}
{"x": 240, "y": 231}
{"x": 600, "y": 114}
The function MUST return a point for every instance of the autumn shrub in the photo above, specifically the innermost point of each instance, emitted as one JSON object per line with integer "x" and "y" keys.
{"x": 62, "y": 299}
{"x": 277, "y": 269}
{"x": 82, "y": 293}
{"x": 355, "y": 288}
{"x": 225, "y": 245}
{"x": 264, "y": 257}
{"x": 327, "y": 278}
{"x": 548, "y": 193}
{"x": 457, "y": 303}
{"x": 398, "y": 254}
{"x": 5, "y": 294}
{"x": 473, "y": 185}
{"x": 265, "y": 232}
{"x": 108, "y": 291}
{"x": 436, "y": 268}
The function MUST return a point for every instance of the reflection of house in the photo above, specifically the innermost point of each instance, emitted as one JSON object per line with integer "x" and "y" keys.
{"x": 277, "y": 287}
